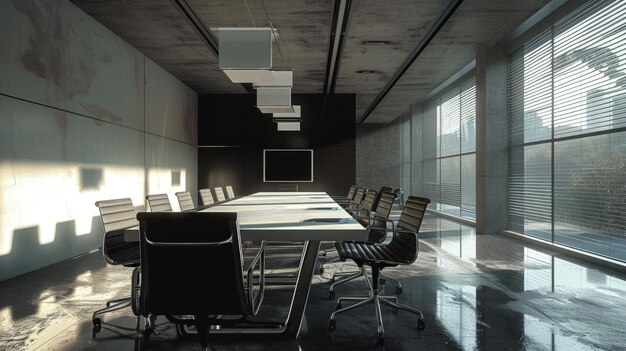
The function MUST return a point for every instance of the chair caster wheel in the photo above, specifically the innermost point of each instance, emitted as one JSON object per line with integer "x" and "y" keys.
{"x": 332, "y": 325}
{"x": 331, "y": 295}
{"x": 97, "y": 326}
{"x": 398, "y": 290}
{"x": 339, "y": 306}
{"x": 420, "y": 324}
{"x": 380, "y": 340}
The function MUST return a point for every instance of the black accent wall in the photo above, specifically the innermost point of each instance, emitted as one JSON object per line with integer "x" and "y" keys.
{"x": 232, "y": 134}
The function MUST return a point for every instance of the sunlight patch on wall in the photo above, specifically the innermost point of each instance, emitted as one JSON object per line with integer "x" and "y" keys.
{"x": 44, "y": 196}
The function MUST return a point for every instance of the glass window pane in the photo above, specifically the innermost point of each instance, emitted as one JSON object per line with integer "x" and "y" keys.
{"x": 468, "y": 186}
{"x": 451, "y": 124}
{"x": 530, "y": 190}
{"x": 590, "y": 194}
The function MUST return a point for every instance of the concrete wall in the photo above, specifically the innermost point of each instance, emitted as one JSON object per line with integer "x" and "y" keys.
{"x": 83, "y": 117}
{"x": 378, "y": 155}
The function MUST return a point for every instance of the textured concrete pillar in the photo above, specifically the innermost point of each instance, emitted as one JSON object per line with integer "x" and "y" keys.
{"x": 491, "y": 140}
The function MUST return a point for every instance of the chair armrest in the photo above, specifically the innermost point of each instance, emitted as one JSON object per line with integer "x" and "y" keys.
{"x": 361, "y": 210}
{"x": 376, "y": 218}
{"x": 255, "y": 301}
{"x": 394, "y": 230}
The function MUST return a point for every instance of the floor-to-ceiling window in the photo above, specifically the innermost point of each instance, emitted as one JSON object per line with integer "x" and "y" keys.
{"x": 567, "y": 129}
{"x": 449, "y": 150}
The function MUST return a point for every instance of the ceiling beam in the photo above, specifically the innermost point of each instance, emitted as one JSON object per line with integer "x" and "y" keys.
{"x": 443, "y": 18}
{"x": 197, "y": 25}
{"x": 341, "y": 14}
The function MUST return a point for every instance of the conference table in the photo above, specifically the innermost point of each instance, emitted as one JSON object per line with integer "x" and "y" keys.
{"x": 309, "y": 217}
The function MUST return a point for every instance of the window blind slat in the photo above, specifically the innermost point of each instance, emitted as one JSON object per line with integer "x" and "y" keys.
{"x": 570, "y": 81}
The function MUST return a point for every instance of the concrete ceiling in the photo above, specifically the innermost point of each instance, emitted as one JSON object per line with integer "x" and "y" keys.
{"x": 380, "y": 36}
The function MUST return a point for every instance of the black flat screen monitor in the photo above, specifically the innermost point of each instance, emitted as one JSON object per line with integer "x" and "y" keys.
{"x": 287, "y": 165}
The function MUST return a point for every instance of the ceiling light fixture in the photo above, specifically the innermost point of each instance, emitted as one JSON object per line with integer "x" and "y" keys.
{"x": 280, "y": 79}
{"x": 288, "y": 126}
{"x": 296, "y": 114}
{"x": 366, "y": 71}
{"x": 245, "y": 54}
{"x": 375, "y": 42}
{"x": 274, "y": 99}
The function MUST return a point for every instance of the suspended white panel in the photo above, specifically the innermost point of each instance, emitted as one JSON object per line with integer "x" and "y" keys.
{"x": 281, "y": 79}
{"x": 288, "y": 126}
{"x": 254, "y": 76}
{"x": 274, "y": 100}
{"x": 295, "y": 114}
{"x": 245, "y": 48}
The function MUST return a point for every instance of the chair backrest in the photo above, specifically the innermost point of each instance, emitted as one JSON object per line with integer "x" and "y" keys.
{"x": 382, "y": 212}
{"x": 410, "y": 220}
{"x": 230, "y": 194}
{"x": 385, "y": 205}
{"x": 206, "y": 197}
{"x": 117, "y": 215}
{"x": 159, "y": 203}
{"x": 359, "y": 195}
{"x": 219, "y": 194}
{"x": 368, "y": 200}
{"x": 191, "y": 264}
{"x": 351, "y": 192}
{"x": 185, "y": 201}
{"x": 382, "y": 190}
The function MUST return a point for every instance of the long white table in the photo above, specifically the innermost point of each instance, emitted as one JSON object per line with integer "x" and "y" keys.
{"x": 309, "y": 217}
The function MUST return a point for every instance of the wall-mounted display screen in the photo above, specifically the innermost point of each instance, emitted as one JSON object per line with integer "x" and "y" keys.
{"x": 287, "y": 165}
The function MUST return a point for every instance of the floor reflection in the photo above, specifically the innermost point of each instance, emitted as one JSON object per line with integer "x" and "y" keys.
{"x": 477, "y": 292}
{"x": 525, "y": 296}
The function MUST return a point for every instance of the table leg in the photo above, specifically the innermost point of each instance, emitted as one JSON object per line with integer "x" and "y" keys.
{"x": 290, "y": 329}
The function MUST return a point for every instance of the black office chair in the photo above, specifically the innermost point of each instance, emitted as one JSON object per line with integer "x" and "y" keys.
{"x": 359, "y": 195}
{"x": 365, "y": 206}
{"x": 219, "y": 194}
{"x": 116, "y": 215}
{"x": 401, "y": 250}
{"x": 206, "y": 197}
{"x": 382, "y": 190}
{"x": 376, "y": 222}
{"x": 185, "y": 201}
{"x": 345, "y": 198}
{"x": 191, "y": 265}
{"x": 159, "y": 203}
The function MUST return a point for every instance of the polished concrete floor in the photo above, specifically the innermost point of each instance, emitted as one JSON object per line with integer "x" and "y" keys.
{"x": 485, "y": 292}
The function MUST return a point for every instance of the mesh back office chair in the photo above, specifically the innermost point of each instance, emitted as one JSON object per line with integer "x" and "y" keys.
{"x": 401, "y": 250}
{"x": 219, "y": 194}
{"x": 116, "y": 215}
{"x": 206, "y": 197}
{"x": 185, "y": 201}
{"x": 191, "y": 264}
{"x": 159, "y": 203}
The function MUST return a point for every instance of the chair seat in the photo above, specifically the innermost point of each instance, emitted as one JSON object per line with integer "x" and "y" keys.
{"x": 120, "y": 251}
{"x": 364, "y": 253}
